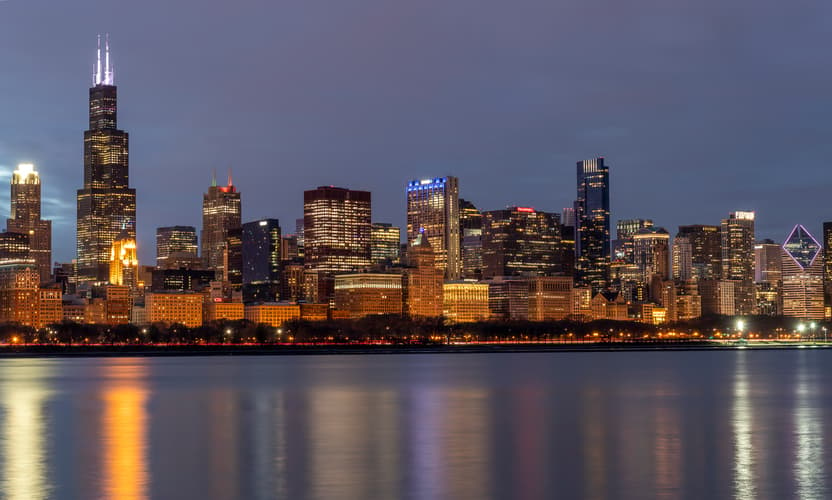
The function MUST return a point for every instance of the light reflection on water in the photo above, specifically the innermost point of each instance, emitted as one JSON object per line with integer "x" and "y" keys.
{"x": 745, "y": 424}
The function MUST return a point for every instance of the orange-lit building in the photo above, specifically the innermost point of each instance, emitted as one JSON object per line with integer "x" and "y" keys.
{"x": 19, "y": 293}
{"x": 550, "y": 298}
{"x": 368, "y": 294}
{"x": 610, "y": 305}
{"x": 124, "y": 263}
{"x": 272, "y": 314}
{"x": 314, "y": 312}
{"x": 215, "y": 311}
{"x": 424, "y": 281}
{"x": 50, "y": 308}
{"x": 465, "y": 302}
{"x": 183, "y": 308}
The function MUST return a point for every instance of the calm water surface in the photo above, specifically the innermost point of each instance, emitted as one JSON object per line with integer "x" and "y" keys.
{"x": 739, "y": 424}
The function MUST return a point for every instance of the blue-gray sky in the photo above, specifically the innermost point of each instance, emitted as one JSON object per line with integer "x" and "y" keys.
{"x": 700, "y": 107}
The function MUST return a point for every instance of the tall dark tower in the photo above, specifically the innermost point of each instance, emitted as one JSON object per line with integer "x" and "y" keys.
{"x": 592, "y": 217}
{"x": 106, "y": 204}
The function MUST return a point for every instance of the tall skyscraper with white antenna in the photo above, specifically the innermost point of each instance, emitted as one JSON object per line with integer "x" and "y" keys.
{"x": 106, "y": 203}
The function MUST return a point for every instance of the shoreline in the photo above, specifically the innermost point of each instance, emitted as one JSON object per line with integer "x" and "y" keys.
{"x": 77, "y": 351}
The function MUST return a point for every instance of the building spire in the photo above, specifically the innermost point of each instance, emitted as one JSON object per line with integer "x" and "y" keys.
{"x": 229, "y": 177}
{"x": 213, "y": 177}
{"x": 103, "y": 73}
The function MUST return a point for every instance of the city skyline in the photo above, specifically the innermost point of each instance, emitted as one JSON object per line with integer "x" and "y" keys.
{"x": 533, "y": 137}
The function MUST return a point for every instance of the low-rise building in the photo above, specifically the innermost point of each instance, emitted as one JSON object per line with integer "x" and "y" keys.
{"x": 273, "y": 314}
{"x": 465, "y": 302}
{"x": 183, "y": 308}
{"x": 367, "y": 294}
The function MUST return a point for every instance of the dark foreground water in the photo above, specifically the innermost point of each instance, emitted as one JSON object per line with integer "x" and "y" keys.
{"x": 741, "y": 424}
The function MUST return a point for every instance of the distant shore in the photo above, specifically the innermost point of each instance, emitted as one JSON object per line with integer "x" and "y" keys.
{"x": 156, "y": 350}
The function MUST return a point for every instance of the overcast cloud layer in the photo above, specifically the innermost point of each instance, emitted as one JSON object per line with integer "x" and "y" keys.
{"x": 700, "y": 107}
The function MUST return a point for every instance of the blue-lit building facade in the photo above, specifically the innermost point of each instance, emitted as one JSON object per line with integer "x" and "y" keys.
{"x": 592, "y": 218}
{"x": 261, "y": 260}
{"x": 433, "y": 210}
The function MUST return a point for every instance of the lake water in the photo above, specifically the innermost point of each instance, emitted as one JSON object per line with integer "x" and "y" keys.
{"x": 707, "y": 424}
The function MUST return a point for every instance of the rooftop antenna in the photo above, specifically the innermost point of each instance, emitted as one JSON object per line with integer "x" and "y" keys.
{"x": 108, "y": 70}
{"x": 229, "y": 177}
{"x": 213, "y": 177}
{"x": 97, "y": 75}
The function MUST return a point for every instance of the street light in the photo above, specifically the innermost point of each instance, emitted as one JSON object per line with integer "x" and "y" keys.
{"x": 801, "y": 328}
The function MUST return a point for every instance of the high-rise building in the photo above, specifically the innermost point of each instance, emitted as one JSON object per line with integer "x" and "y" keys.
{"x": 624, "y": 231}
{"x": 175, "y": 246}
{"x": 221, "y": 212}
{"x": 827, "y": 268}
{"x": 233, "y": 259}
{"x": 433, "y": 210}
{"x": 768, "y": 263}
{"x": 682, "y": 259}
{"x": 14, "y": 248}
{"x": 592, "y": 217}
{"x": 337, "y": 229}
{"x": 802, "y": 276}
{"x": 738, "y": 258}
{"x": 651, "y": 253}
{"x": 25, "y": 217}
{"x": 705, "y": 251}
{"x": 124, "y": 261}
{"x": 470, "y": 232}
{"x": 520, "y": 241}
{"x": 385, "y": 243}
{"x": 261, "y": 260}
{"x": 106, "y": 203}
{"x": 423, "y": 291}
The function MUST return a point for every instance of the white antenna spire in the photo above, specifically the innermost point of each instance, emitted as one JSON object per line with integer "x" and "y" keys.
{"x": 97, "y": 79}
{"x": 108, "y": 70}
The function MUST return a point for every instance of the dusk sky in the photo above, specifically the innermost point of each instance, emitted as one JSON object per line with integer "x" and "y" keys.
{"x": 700, "y": 107}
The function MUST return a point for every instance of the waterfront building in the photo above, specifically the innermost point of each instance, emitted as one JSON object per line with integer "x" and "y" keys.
{"x": 508, "y": 297}
{"x": 174, "y": 307}
{"x": 368, "y": 294}
{"x": 26, "y": 217}
{"x": 592, "y": 217}
{"x": 610, "y": 305}
{"x": 802, "y": 275}
{"x": 550, "y": 298}
{"x": 272, "y": 314}
{"x": 106, "y": 203}
{"x": 433, "y": 210}
{"x": 465, "y": 302}
{"x": 19, "y": 293}
{"x": 222, "y": 311}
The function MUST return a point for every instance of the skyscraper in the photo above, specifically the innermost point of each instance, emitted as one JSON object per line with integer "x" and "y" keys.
{"x": 651, "y": 253}
{"x": 25, "y": 217}
{"x": 337, "y": 229}
{"x": 175, "y": 245}
{"x": 592, "y": 218}
{"x": 521, "y": 241}
{"x": 423, "y": 290}
{"x": 106, "y": 204}
{"x": 433, "y": 210}
{"x": 802, "y": 275}
{"x": 624, "y": 231}
{"x": 705, "y": 251}
{"x": 738, "y": 258}
{"x": 385, "y": 243}
{"x": 261, "y": 260}
{"x": 827, "y": 268}
{"x": 470, "y": 233}
{"x": 221, "y": 212}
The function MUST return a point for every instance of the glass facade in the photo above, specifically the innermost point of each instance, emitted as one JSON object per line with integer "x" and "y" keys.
{"x": 433, "y": 210}
{"x": 592, "y": 218}
{"x": 337, "y": 229}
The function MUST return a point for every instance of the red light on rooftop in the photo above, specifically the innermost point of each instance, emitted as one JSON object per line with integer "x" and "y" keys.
{"x": 525, "y": 209}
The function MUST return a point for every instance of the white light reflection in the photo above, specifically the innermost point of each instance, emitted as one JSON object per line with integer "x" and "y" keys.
{"x": 808, "y": 428}
{"x": 742, "y": 423}
{"x": 23, "y": 438}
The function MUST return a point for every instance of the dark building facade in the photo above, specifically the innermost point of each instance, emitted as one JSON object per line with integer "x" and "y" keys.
{"x": 336, "y": 229}
{"x": 827, "y": 268}
{"x": 261, "y": 260}
{"x": 106, "y": 204}
{"x": 705, "y": 250}
{"x": 521, "y": 241}
{"x": 592, "y": 220}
